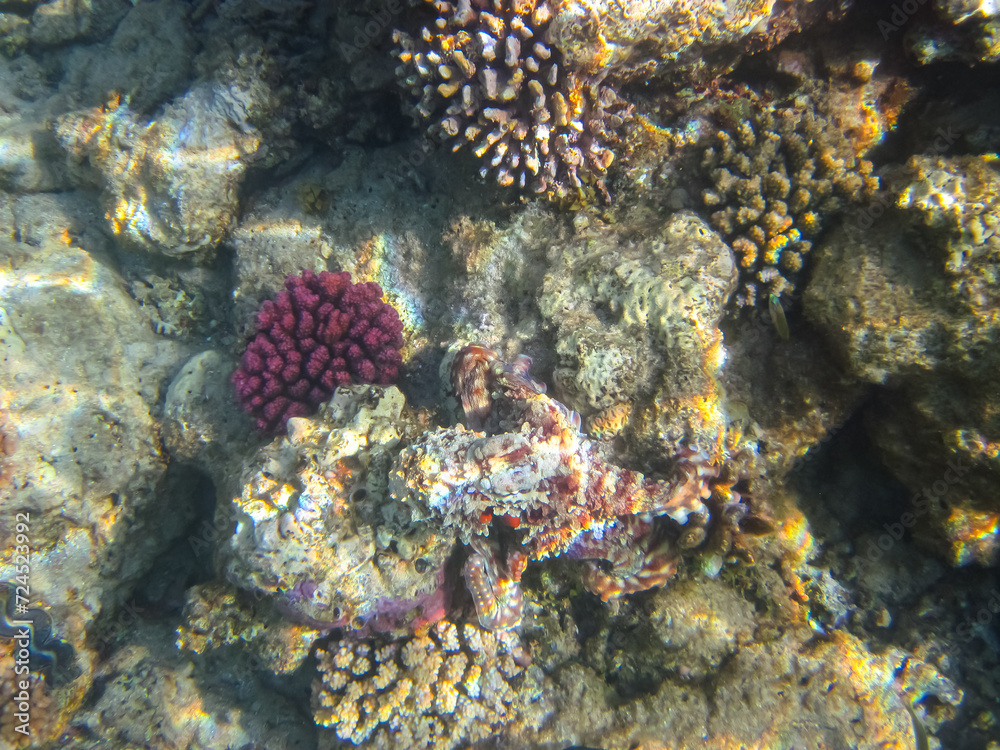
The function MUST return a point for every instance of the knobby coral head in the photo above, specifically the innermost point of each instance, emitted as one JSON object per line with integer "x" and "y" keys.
{"x": 485, "y": 75}
{"x": 320, "y": 332}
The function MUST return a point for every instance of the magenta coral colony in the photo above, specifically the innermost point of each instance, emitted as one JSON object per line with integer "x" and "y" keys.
{"x": 524, "y": 484}
{"x": 320, "y": 332}
{"x": 486, "y": 75}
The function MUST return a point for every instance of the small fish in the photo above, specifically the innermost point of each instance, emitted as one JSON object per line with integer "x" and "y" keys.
{"x": 778, "y": 316}
{"x": 919, "y": 730}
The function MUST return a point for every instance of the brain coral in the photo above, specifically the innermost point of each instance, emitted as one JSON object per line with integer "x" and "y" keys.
{"x": 322, "y": 331}
{"x": 485, "y": 75}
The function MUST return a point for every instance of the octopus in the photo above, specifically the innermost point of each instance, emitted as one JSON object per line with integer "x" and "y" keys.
{"x": 520, "y": 483}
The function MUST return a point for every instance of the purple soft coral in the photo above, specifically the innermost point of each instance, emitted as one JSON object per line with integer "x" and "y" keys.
{"x": 322, "y": 331}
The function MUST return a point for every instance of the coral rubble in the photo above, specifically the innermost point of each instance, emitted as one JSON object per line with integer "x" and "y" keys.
{"x": 486, "y": 75}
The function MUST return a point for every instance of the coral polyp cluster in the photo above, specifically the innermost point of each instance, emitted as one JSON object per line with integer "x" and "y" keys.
{"x": 449, "y": 687}
{"x": 320, "y": 332}
{"x": 777, "y": 175}
{"x": 486, "y": 76}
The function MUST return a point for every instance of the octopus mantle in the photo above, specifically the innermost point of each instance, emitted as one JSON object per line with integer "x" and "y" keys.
{"x": 524, "y": 484}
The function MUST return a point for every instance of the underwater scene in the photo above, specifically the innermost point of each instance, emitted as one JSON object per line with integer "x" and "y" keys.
{"x": 500, "y": 374}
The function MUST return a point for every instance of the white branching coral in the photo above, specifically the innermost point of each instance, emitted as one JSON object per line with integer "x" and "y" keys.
{"x": 485, "y": 75}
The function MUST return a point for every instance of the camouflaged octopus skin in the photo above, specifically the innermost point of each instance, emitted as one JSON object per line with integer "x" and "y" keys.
{"x": 522, "y": 483}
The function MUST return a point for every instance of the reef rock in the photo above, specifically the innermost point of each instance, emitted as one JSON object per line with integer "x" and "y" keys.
{"x": 918, "y": 313}
{"x": 317, "y": 531}
{"x": 200, "y": 424}
{"x": 634, "y": 39}
{"x": 57, "y": 22}
{"x": 155, "y": 696}
{"x": 961, "y": 30}
{"x": 81, "y": 454}
{"x": 169, "y": 185}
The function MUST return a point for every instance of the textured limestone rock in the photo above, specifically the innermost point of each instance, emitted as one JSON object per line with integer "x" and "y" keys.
{"x": 317, "y": 532}
{"x": 81, "y": 448}
{"x": 917, "y": 313}
{"x": 201, "y": 422}
{"x": 169, "y": 185}
{"x": 635, "y": 38}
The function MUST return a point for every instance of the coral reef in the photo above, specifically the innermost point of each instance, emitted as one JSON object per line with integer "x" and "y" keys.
{"x": 272, "y": 132}
{"x": 486, "y": 75}
{"x": 455, "y": 685}
{"x": 778, "y": 173}
{"x": 315, "y": 528}
{"x": 694, "y": 663}
{"x": 320, "y": 332}
{"x": 960, "y": 199}
{"x": 695, "y": 39}
{"x": 534, "y": 473}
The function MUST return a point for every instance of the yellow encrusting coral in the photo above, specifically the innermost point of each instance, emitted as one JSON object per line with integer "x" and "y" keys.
{"x": 456, "y": 684}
